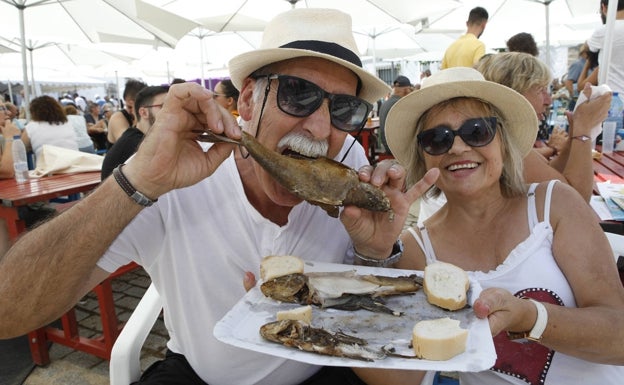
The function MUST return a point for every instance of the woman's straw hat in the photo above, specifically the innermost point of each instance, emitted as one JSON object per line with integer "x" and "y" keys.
{"x": 309, "y": 32}
{"x": 519, "y": 115}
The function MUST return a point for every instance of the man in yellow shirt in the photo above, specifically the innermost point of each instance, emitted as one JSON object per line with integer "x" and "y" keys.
{"x": 467, "y": 50}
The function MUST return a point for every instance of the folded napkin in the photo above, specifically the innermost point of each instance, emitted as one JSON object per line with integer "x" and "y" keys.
{"x": 58, "y": 160}
{"x": 596, "y": 91}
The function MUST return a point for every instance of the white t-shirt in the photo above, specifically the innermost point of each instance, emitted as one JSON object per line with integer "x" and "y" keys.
{"x": 60, "y": 135}
{"x": 80, "y": 129}
{"x": 616, "y": 67}
{"x": 196, "y": 244}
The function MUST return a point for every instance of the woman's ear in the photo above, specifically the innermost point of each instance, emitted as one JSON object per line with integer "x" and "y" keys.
{"x": 245, "y": 99}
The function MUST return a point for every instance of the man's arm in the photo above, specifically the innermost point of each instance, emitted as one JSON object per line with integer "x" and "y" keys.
{"x": 52, "y": 266}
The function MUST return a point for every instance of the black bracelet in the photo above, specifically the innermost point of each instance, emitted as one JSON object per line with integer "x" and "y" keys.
{"x": 397, "y": 252}
{"x": 129, "y": 189}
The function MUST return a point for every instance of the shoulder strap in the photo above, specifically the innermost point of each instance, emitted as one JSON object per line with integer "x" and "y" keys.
{"x": 547, "y": 200}
{"x": 531, "y": 209}
{"x": 128, "y": 117}
{"x": 424, "y": 243}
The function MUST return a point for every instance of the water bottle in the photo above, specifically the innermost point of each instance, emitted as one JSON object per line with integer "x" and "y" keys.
{"x": 615, "y": 116}
{"x": 615, "y": 111}
{"x": 20, "y": 162}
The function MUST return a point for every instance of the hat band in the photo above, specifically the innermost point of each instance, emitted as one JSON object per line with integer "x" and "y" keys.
{"x": 332, "y": 49}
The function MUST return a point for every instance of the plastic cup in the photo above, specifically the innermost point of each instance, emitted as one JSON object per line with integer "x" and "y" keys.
{"x": 608, "y": 137}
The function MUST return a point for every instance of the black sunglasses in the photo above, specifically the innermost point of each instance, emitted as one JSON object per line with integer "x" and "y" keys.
{"x": 299, "y": 97}
{"x": 476, "y": 132}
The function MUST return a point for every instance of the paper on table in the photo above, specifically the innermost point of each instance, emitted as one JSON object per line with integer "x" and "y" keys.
{"x": 240, "y": 327}
{"x": 608, "y": 191}
{"x": 600, "y": 207}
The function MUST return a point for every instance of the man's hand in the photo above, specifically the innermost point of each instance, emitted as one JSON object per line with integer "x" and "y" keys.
{"x": 169, "y": 156}
{"x": 374, "y": 233}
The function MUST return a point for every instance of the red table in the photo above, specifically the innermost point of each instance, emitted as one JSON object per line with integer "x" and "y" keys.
{"x": 13, "y": 195}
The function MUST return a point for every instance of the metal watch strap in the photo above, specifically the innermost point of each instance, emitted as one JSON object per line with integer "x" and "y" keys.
{"x": 129, "y": 189}
{"x": 397, "y": 252}
{"x": 538, "y": 328}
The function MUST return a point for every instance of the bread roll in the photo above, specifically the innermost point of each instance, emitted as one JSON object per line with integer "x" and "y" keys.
{"x": 439, "y": 339}
{"x": 446, "y": 285}
{"x": 274, "y": 266}
{"x": 303, "y": 313}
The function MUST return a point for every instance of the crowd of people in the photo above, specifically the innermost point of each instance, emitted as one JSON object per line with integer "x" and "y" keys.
{"x": 199, "y": 217}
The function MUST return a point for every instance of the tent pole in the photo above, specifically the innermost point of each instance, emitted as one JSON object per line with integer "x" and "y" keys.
{"x": 25, "y": 86}
{"x": 547, "y": 5}
{"x": 201, "y": 58}
{"x": 32, "y": 72}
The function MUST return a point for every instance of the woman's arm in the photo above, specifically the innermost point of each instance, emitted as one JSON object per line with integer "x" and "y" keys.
{"x": 584, "y": 255}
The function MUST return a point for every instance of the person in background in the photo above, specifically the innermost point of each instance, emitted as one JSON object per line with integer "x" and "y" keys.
{"x": 12, "y": 114}
{"x": 523, "y": 42}
{"x": 146, "y": 104}
{"x": 551, "y": 289}
{"x": 8, "y": 130}
{"x": 616, "y": 66}
{"x": 572, "y": 76}
{"x": 85, "y": 144}
{"x": 573, "y": 163}
{"x": 199, "y": 218}
{"x": 400, "y": 87}
{"x": 589, "y": 73}
{"x": 468, "y": 49}
{"x": 81, "y": 103}
{"x": 96, "y": 127}
{"x": 48, "y": 125}
{"x": 124, "y": 118}
{"x": 227, "y": 96}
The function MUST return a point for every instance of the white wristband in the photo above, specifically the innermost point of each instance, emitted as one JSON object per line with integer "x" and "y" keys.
{"x": 540, "y": 323}
{"x": 538, "y": 328}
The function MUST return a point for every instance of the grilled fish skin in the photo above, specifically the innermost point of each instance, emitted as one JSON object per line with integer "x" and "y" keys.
{"x": 340, "y": 290}
{"x": 297, "y": 334}
{"x": 321, "y": 181}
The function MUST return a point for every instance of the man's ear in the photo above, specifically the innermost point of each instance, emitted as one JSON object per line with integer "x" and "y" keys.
{"x": 245, "y": 99}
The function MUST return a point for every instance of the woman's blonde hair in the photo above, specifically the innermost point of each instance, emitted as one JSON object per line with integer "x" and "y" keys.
{"x": 516, "y": 70}
{"x": 511, "y": 180}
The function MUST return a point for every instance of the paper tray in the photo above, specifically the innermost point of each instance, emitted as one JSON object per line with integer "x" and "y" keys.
{"x": 240, "y": 327}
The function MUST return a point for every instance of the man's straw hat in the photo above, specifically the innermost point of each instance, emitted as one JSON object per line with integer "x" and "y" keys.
{"x": 309, "y": 32}
{"x": 520, "y": 117}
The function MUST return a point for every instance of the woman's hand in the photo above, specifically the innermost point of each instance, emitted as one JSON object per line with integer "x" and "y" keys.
{"x": 588, "y": 114}
{"x": 374, "y": 233}
{"x": 504, "y": 311}
{"x": 170, "y": 157}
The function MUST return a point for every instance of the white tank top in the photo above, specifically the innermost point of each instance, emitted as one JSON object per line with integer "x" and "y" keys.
{"x": 530, "y": 270}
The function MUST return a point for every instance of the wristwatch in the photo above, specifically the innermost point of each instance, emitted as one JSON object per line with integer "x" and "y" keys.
{"x": 395, "y": 255}
{"x": 535, "y": 334}
{"x": 582, "y": 138}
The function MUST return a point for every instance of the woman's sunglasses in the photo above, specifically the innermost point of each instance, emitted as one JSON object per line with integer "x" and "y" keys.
{"x": 299, "y": 97}
{"x": 476, "y": 132}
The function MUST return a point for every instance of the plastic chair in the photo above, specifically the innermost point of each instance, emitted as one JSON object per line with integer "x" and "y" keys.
{"x": 125, "y": 364}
